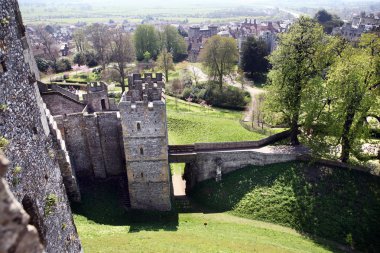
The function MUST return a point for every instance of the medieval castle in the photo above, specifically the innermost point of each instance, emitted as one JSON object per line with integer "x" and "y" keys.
{"x": 53, "y": 138}
{"x": 102, "y": 141}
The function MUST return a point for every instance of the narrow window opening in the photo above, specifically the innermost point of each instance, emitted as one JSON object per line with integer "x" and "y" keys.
{"x": 138, "y": 126}
{"x": 141, "y": 151}
{"x": 103, "y": 102}
{"x": 142, "y": 174}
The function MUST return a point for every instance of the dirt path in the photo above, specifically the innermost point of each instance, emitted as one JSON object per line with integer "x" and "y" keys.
{"x": 179, "y": 185}
{"x": 201, "y": 76}
{"x": 253, "y": 91}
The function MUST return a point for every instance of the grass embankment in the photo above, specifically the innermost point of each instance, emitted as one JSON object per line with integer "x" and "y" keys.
{"x": 103, "y": 227}
{"x": 340, "y": 205}
{"x": 190, "y": 123}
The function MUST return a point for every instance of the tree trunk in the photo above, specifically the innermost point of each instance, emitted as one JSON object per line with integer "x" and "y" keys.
{"x": 122, "y": 83}
{"x": 294, "y": 130}
{"x": 220, "y": 81}
{"x": 294, "y": 120}
{"x": 346, "y": 143}
{"x": 122, "y": 77}
{"x": 167, "y": 75}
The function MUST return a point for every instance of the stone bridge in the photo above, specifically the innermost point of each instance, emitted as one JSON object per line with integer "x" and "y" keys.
{"x": 212, "y": 160}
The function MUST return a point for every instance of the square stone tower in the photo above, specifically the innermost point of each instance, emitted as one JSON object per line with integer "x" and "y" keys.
{"x": 145, "y": 136}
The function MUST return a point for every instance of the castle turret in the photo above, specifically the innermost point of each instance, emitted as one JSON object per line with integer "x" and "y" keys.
{"x": 194, "y": 32}
{"x": 213, "y": 30}
{"x": 97, "y": 97}
{"x": 143, "y": 117}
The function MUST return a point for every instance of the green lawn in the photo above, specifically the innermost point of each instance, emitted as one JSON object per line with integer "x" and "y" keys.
{"x": 190, "y": 123}
{"x": 337, "y": 204}
{"x": 105, "y": 227}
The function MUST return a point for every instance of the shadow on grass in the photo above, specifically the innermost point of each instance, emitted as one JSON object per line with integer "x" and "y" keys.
{"x": 102, "y": 204}
{"x": 320, "y": 202}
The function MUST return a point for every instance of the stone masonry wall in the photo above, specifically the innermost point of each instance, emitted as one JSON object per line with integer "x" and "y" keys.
{"x": 67, "y": 171}
{"x": 94, "y": 143}
{"x": 58, "y": 104}
{"x": 206, "y": 164}
{"x": 34, "y": 175}
{"x": 145, "y": 144}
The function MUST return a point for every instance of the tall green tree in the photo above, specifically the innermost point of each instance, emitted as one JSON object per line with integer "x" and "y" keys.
{"x": 48, "y": 42}
{"x": 173, "y": 42}
{"x": 327, "y": 20}
{"x": 122, "y": 52}
{"x": 80, "y": 40}
{"x": 297, "y": 66}
{"x": 98, "y": 35}
{"x": 165, "y": 62}
{"x": 146, "y": 40}
{"x": 353, "y": 84}
{"x": 220, "y": 56}
{"x": 254, "y": 53}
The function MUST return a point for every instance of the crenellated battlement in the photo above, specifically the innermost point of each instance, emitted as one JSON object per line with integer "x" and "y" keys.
{"x": 144, "y": 88}
{"x": 96, "y": 87}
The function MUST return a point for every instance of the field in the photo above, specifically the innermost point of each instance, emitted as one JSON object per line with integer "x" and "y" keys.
{"x": 90, "y": 12}
{"x": 340, "y": 205}
{"x": 105, "y": 227}
{"x": 189, "y": 123}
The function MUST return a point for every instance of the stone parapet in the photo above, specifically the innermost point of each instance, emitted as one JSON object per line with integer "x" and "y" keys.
{"x": 62, "y": 155}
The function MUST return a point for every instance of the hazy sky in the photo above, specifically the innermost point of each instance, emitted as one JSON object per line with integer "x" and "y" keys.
{"x": 208, "y": 2}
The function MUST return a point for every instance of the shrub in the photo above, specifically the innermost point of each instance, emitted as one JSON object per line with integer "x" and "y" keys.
{"x": 80, "y": 58}
{"x": 186, "y": 93}
{"x": 91, "y": 60}
{"x": 42, "y": 64}
{"x": 62, "y": 65}
{"x": 227, "y": 97}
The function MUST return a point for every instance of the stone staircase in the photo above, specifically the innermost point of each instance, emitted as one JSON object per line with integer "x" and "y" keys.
{"x": 123, "y": 185}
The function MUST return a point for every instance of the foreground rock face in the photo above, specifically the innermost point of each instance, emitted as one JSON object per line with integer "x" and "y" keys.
{"x": 34, "y": 176}
{"x": 15, "y": 233}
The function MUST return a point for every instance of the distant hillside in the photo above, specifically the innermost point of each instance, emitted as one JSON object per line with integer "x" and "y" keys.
{"x": 210, "y": 3}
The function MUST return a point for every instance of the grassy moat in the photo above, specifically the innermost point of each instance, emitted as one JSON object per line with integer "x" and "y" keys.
{"x": 241, "y": 212}
{"x": 341, "y": 206}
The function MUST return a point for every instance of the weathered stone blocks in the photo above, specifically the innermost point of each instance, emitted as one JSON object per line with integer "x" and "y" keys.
{"x": 144, "y": 127}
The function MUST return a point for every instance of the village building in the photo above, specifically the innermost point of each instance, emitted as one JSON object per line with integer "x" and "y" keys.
{"x": 360, "y": 24}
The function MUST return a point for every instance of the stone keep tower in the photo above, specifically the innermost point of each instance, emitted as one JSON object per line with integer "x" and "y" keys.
{"x": 145, "y": 136}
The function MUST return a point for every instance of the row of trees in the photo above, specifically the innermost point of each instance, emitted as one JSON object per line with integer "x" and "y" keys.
{"x": 149, "y": 40}
{"x": 325, "y": 85}
{"x": 120, "y": 48}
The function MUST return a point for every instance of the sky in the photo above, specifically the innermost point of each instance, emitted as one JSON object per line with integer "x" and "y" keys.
{"x": 207, "y": 2}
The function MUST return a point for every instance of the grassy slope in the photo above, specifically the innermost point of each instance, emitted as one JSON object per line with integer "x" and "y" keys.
{"x": 191, "y": 123}
{"x": 104, "y": 227}
{"x": 340, "y": 205}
